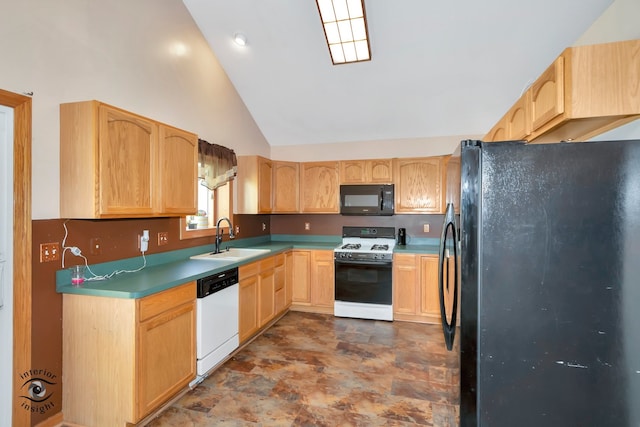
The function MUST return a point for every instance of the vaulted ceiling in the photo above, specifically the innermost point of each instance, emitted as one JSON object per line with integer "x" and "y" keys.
{"x": 437, "y": 68}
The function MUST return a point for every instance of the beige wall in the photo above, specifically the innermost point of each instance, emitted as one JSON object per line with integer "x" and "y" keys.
{"x": 434, "y": 146}
{"x": 122, "y": 52}
{"x": 619, "y": 22}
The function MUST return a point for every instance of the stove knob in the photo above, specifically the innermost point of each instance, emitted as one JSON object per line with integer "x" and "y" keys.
{"x": 350, "y": 255}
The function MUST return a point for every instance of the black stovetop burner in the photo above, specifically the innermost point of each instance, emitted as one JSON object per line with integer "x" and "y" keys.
{"x": 351, "y": 246}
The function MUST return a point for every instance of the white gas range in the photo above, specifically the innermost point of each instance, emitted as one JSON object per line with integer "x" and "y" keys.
{"x": 363, "y": 273}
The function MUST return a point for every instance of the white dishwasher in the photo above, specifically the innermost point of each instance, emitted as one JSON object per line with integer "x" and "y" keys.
{"x": 216, "y": 320}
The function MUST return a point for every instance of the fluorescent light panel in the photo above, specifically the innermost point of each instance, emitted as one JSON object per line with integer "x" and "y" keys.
{"x": 345, "y": 28}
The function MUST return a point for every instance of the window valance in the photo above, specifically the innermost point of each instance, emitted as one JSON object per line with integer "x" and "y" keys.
{"x": 216, "y": 164}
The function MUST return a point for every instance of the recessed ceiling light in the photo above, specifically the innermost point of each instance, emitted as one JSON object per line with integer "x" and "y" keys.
{"x": 345, "y": 28}
{"x": 240, "y": 39}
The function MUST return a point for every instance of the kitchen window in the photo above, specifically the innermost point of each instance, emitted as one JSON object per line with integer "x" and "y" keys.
{"x": 217, "y": 167}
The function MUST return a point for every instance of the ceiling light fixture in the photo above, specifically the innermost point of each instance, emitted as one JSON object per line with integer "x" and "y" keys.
{"x": 240, "y": 39}
{"x": 345, "y": 28}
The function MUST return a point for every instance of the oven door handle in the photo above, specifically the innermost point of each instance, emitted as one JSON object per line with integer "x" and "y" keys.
{"x": 377, "y": 263}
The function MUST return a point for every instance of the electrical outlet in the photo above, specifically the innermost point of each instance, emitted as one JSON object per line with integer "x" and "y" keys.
{"x": 163, "y": 238}
{"x": 264, "y": 226}
{"x": 49, "y": 252}
{"x": 95, "y": 246}
{"x": 307, "y": 226}
{"x": 425, "y": 228}
{"x": 237, "y": 229}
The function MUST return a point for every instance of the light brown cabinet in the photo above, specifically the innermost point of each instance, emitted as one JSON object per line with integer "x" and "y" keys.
{"x": 117, "y": 164}
{"x": 266, "y": 292}
{"x": 498, "y": 132}
{"x": 150, "y": 349}
{"x": 263, "y": 294}
{"x": 366, "y": 171}
{"x": 429, "y": 293}
{"x": 405, "y": 289}
{"x": 301, "y": 277}
{"x": 248, "y": 323}
{"x": 518, "y": 119}
{"x": 280, "y": 283}
{"x": 419, "y": 185}
{"x": 253, "y": 185}
{"x": 546, "y": 96}
{"x": 453, "y": 182}
{"x": 313, "y": 280}
{"x": 286, "y": 188}
{"x": 322, "y": 279}
{"x": 415, "y": 288}
{"x": 586, "y": 91}
{"x": 319, "y": 187}
{"x": 416, "y": 296}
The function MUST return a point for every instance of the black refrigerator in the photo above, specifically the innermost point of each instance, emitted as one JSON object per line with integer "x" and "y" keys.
{"x": 548, "y": 240}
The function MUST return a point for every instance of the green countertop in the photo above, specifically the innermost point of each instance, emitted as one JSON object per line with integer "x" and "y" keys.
{"x": 164, "y": 271}
{"x": 169, "y": 271}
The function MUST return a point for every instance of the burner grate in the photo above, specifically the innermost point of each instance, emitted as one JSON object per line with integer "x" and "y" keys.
{"x": 379, "y": 247}
{"x": 351, "y": 246}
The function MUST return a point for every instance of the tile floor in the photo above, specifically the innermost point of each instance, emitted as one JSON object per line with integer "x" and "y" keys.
{"x": 319, "y": 370}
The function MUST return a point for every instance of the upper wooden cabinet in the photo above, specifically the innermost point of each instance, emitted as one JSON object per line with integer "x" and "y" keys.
{"x": 178, "y": 192}
{"x": 498, "y": 132}
{"x": 117, "y": 164}
{"x": 366, "y": 171}
{"x": 546, "y": 96}
{"x": 319, "y": 187}
{"x": 518, "y": 119}
{"x": 586, "y": 91}
{"x": 419, "y": 185}
{"x": 453, "y": 182}
{"x": 286, "y": 188}
{"x": 253, "y": 186}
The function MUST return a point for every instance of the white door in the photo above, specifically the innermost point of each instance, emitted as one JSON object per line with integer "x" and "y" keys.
{"x": 6, "y": 263}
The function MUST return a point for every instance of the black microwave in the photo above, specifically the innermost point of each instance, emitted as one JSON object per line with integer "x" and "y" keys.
{"x": 368, "y": 199}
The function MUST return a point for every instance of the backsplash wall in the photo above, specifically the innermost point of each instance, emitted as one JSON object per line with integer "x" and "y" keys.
{"x": 331, "y": 224}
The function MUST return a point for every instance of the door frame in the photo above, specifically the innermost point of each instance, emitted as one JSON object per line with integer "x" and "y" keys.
{"x": 22, "y": 243}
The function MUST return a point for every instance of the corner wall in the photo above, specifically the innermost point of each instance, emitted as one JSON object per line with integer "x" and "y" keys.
{"x": 145, "y": 56}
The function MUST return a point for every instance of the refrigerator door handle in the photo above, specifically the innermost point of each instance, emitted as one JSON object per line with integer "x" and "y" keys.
{"x": 449, "y": 329}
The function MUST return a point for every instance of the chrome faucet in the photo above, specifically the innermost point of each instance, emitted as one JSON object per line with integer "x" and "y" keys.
{"x": 219, "y": 235}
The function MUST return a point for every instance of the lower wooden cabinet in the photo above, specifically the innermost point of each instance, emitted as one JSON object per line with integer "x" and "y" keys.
{"x": 266, "y": 292}
{"x": 279, "y": 284}
{"x": 313, "y": 280}
{"x": 415, "y": 288}
{"x": 301, "y": 277}
{"x": 248, "y": 300}
{"x": 263, "y": 294}
{"x": 322, "y": 279}
{"x": 124, "y": 358}
{"x": 405, "y": 286}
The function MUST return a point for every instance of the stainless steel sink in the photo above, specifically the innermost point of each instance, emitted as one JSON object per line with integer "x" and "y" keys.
{"x": 233, "y": 254}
